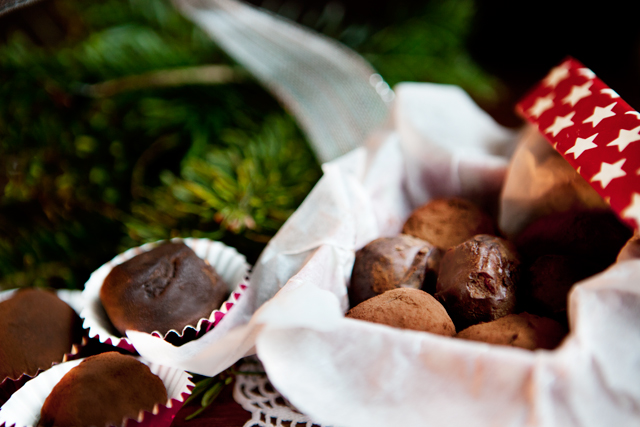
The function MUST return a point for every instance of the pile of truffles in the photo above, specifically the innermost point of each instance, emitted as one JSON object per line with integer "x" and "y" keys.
{"x": 450, "y": 271}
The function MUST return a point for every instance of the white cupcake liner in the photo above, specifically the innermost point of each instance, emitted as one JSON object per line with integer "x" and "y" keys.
{"x": 23, "y": 409}
{"x": 74, "y": 299}
{"x": 229, "y": 264}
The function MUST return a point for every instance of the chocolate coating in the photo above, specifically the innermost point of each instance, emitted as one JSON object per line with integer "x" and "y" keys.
{"x": 405, "y": 308}
{"x": 477, "y": 280}
{"x": 596, "y": 236}
{"x": 392, "y": 262}
{"x": 102, "y": 390}
{"x": 551, "y": 277}
{"x": 168, "y": 287}
{"x": 36, "y": 330}
{"x": 522, "y": 330}
{"x": 448, "y": 222}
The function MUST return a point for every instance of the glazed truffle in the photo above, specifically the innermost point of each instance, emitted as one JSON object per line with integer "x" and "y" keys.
{"x": 477, "y": 280}
{"x": 168, "y": 287}
{"x": 405, "y": 308}
{"x": 392, "y": 262}
{"x": 36, "y": 330}
{"x": 102, "y": 390}
{"x": 448, "y": 222}
{"x": 551, "y": 277}
{"x": 596, "y": 236}
{"x": 518, "y": 330}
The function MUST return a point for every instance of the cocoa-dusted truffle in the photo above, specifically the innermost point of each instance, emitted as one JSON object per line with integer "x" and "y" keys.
{"x": 36, "y": 330}
{"x": 168, "y": 287}
{"x": 477, "y": 280}
{"x": 392, "y": 262}
{"x": 405, "y": 308}
{"x": 522, "y": 330}
{"x": 102, "y": 390}
{"x": 448, "y": 222}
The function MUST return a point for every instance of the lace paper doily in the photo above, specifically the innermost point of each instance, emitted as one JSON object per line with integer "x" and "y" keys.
{"x": 268, "y": 408}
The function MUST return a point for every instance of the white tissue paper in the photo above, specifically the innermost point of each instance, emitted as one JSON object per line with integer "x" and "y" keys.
{"x": 349, "y": 373}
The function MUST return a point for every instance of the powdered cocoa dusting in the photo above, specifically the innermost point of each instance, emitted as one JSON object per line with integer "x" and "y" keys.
{"x": 522, "y": 330}
{"x": 448, "y": 222}
{"x": 406, "y": 308}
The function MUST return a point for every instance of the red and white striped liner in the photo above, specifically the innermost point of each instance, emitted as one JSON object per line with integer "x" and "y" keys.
{"x": 229, "y": 264}
{"x": 593, "y": 129}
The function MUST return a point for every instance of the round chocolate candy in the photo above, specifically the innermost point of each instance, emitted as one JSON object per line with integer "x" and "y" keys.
{"x": 168, "y": 287}
{"x": 36, "y": 330}
{"x": 393, "y": 262}
{"x": 103, "y": 390}
{"x": 448, "y": 222}
{"x": 477, "y": 280}
{"x": 522, "y": 330}
{"x": 405, "y": 308}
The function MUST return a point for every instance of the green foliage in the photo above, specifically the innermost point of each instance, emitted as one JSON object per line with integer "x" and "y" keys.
{"x": 84, "y": 178}
{"x": 250, "y": 185}
{"x": 80, "y": 177}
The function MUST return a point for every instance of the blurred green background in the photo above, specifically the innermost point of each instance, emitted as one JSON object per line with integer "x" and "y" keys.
{"x": 89, "y": 169}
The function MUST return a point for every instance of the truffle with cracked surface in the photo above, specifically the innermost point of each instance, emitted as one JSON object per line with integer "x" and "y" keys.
{"x": 478, "y": 279}
{"x": 168, "y": 287}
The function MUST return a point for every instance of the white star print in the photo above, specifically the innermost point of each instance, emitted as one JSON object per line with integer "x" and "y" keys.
{"x": 560, "y": 123}
{"x": 587, "y": 73}
{"x": 600, "y": 113}
{"x": 541, "y": 105}
{"x": 612, "y": 93}
{"x": 625, "y": 137}
{"x": 635, "y": 113}
{"x": 577, "y": 93}
{"x": 609, "y": 172}
{"x": 633, "y": 210}
{"x": 582, "y": 145}
{"x": 556, "y": 75}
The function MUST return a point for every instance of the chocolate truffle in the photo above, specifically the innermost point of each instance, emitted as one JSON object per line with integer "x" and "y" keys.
{"x": 168, "y": 287}
{"x": 405, "y": 308}
{"x": 392, "y": 262}
{"x": 102, "y": 390}
{"x": 522, "y": 330}
{"x": 477, "y": 280}
{"x": 448, "y": 222}
{"x": 551, "y": 277}
{"x": 596, "y": 236}
{"x": 36, "y": 330}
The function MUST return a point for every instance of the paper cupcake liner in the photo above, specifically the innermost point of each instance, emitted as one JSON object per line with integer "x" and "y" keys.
{"x": 228, "y": 263}
{"x": 23, "y": 409}
{"x": 8, "y": 386}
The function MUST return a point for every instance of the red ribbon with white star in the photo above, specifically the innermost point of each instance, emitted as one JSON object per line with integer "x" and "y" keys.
{"x": 594, "y": 130}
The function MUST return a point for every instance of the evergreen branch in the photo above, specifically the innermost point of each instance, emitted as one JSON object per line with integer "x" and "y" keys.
{"x": 200, "y": 75}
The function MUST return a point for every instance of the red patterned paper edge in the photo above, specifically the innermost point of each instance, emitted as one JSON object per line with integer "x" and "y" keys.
{"x": 594, "y": 129}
